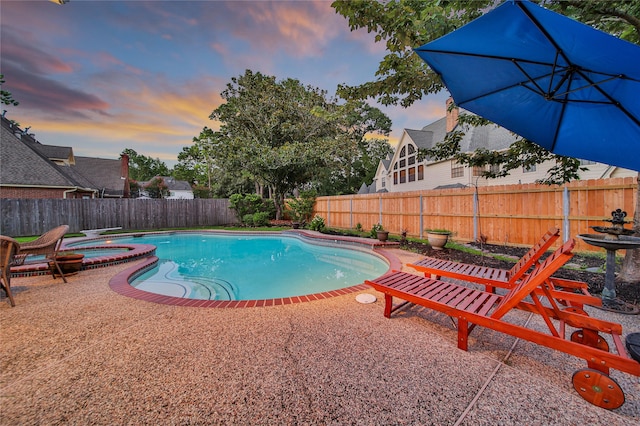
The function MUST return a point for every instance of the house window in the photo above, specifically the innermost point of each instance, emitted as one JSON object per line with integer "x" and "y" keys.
{"x": 586, "y": 162}
{"x": 384, "y": 182}
{"x": 406, "y": 164}
{"x": 529, "y": 169}
{"x": 494, "y": 168}
{"x": 395, "y": 178}
{"x": 457, "y": 170}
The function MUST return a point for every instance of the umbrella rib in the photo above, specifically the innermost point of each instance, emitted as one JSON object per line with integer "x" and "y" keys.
{"x": 533, "y": 80}
{"x": 484, "y": 56}
{"x": 549, "y": 94}
{"x": 543, "y": 31}
{"x": 612, "y": 100}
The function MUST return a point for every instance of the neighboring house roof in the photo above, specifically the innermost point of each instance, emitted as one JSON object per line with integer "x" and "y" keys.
{"x": 370, "y": 189}
{"x": 27, "y": 162}
{"x": 171, "y": 183}
{"x": 451, "y": 186}
{"x": 100, "y": 173}
{"x": 491, "y": 137}
{"x": 386, "y": 162}
{"x": 176, "y": 185}
{"x": 55, "y": 153}
{"x": 22, "y": 165}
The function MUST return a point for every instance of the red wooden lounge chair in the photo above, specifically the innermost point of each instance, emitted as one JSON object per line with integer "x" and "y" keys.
{"x": 490, "y": 277}
{"x": 48, "y": 244}
{"x": 473, "y": 307}
{"x": 8, "y": 249}
{"x": 494, "y": 277}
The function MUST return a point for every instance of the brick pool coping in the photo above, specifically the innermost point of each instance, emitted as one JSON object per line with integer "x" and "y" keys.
{"x": 120, "y": 283}
{"x": 133, "y": 252}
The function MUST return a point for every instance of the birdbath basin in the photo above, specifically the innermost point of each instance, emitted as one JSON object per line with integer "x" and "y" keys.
{"x": 623, "y": 242}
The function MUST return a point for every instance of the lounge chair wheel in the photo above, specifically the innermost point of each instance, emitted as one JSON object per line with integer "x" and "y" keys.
{"x": 593, "y": 339}
{"x": 598, "y": 388}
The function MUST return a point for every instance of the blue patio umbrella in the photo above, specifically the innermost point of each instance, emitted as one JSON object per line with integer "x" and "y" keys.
{"x": 559, "y": 83}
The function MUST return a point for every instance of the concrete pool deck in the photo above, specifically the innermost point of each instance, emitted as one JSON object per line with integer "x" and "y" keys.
{"x": 79, "y": 353}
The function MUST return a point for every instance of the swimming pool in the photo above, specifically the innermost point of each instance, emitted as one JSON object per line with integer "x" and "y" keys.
{"x": 212, "y": 266}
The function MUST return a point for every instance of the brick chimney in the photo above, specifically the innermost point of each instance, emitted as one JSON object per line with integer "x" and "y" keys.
{"x": 452, "y": 115}
{"x": 124, "y": 174}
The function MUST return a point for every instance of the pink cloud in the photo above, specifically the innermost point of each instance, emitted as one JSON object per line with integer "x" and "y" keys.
{"x": 29, "y": 57}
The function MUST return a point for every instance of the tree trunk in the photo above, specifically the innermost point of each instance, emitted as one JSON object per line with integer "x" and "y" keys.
{"x": 277, "y": 200}
{"x": 631, "y": 265}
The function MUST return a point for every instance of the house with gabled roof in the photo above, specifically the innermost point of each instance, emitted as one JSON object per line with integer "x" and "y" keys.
{"x": 30, "y": 169}
{"x": 404, "y": 172}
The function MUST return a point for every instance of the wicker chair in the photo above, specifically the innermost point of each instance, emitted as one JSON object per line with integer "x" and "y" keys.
{"x": 48, "y": 244}
{"x": 8, "y": 250}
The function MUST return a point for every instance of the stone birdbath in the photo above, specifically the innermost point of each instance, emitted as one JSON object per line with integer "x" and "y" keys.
{"x": 612, "y": 238}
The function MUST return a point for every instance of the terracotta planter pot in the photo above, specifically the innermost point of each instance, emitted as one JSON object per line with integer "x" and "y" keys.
{"x": 382, "y": 235}
{"x": 69, "y": 264}
{"x": 437, "y": 240}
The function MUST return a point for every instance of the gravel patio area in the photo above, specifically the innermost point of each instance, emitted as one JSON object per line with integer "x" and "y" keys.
{"x": 79, "y": 353}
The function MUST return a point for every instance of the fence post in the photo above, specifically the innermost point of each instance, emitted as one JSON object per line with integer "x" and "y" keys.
{"x": 351, "y": 213}
{"x": 475, "y": 214}
{"x": 380, "y": 209}
{"x": 565, "y": 214}
{"x": 329, "y": 212}
{"x": 421, "y": 218}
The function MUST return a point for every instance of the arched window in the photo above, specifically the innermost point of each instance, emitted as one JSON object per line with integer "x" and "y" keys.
{"x": 406, "y": 165}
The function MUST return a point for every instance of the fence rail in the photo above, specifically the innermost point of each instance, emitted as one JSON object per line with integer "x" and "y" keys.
{"x": 35, "y": 216}
{"x": 507, "y": 214}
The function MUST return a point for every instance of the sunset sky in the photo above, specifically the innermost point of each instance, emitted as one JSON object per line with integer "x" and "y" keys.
{"x": 102, "y": 76}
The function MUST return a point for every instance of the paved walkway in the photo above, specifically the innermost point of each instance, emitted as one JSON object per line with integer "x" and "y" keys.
{"x": 79, "y": 353}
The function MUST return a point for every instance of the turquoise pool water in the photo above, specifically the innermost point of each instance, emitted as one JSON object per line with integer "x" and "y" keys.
{"x": 249, "y": 267}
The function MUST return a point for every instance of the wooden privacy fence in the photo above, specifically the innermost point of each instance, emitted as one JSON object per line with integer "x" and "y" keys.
{"x": 35, "y": 216}
{"x": 506, "y": 214}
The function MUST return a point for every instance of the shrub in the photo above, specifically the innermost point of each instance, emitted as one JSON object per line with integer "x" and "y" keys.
{"x": 246, "y": 205}
{"x": 247, "y": 219}
{"x": 317, "y": 224}
{"x": 374, "y": 230}
{"x": 260, "y": 219}
{"x": 301, "y": 208}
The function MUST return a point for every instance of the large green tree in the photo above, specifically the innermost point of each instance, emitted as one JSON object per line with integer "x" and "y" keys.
{"x": 286, "y": 134}
{"x": 362, "y": 135}
{"x": 403, "y": 78}
{"x": 143, "y": 168}
{"x": 202, "y": 164}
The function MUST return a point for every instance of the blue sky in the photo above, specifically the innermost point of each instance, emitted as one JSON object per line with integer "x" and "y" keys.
{"x": 102, "y": 76}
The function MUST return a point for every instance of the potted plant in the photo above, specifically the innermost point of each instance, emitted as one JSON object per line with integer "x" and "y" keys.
{"x": 377, "y": 231}
{"x": 438, "y": 238}
{"x": 69, "y": 262}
